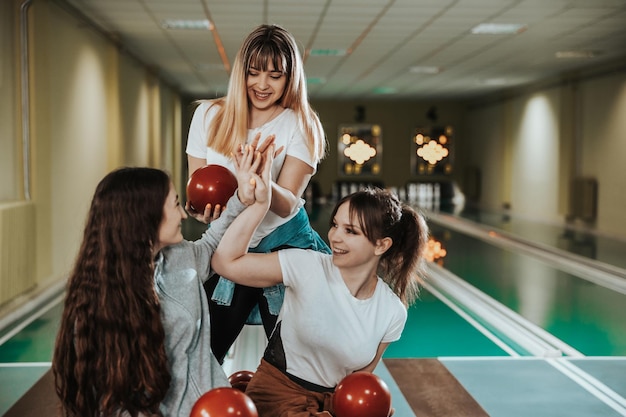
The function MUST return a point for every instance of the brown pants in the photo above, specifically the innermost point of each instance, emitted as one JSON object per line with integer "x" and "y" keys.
{"x": 275, "y": 395}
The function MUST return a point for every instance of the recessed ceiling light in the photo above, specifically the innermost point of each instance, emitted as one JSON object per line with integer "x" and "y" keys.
{"x": 498, "y": 28}
{"x": 316, "y": 80}
{"x": 172, "y": 24}
{"x": 384, "y": 90}
{"x": 425, "y": 70}
{"x": 327, "y": 52}
{"x": 494, "y": 81}
{"x": 576, "y": 54}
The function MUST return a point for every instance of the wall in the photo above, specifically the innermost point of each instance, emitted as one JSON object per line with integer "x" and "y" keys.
{"x": 531, "y": 145}
{"x": 534, "y": 155}
{"x": 603, "y": 146}
{"x": 93, "y": 108}
{"x": 397, "y": 118}
{"x": 9, "y": 122}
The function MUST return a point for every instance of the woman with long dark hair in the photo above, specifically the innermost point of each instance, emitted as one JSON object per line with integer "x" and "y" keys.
{"x": 134, "y": 336}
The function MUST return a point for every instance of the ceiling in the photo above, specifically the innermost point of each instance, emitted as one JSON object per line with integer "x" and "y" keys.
{"x": 382, "y": 42}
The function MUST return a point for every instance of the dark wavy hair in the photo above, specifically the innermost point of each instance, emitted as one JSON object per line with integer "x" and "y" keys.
{"x": 380, "y": 214}
{"x": 109, "y": 354}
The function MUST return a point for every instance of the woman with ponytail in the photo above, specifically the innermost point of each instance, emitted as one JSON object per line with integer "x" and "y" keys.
{"x": 340, "y": 311}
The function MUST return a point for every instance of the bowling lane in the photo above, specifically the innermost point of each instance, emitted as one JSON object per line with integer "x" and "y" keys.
{"x": 588, "y": 317}
{"x": 433, "y": 330}
{"x": 26, "y": 351}
{"x": 32, "y": 341}
{"x": 604, "y": 249}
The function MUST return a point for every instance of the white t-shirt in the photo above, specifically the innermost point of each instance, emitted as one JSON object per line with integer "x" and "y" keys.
{"x": 327, "y": 333}
{"x": 288, "y": 134}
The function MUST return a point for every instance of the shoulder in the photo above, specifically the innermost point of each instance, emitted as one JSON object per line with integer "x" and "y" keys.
{"x": 287, "y": 118}
{"x": 390, "y": 297}
{"x": 291, "y": 254}
{"x": 206, "y": 107}
{"x": 180, "y": 254}
{"x": 303, "y": 265}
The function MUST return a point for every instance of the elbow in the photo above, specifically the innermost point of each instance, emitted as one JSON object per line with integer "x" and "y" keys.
{"x": 217, "y": 265}
{"x": 283, "y": 211}
{"x": 285, "y": 207}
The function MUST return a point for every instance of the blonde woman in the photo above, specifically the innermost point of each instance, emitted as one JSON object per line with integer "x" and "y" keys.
{"x": 266, "y": 97}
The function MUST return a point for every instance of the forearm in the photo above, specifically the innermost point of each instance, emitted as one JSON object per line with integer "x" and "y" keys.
{"x": 235, "y": 242}
{"x": 284, "y": 202}
{"x": 214, "y": 234}
{"x": 294, "y": 177}
{"x": 194, "y": 163}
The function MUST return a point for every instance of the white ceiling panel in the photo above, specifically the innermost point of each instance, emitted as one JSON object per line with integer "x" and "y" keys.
{"x": 387, "y": 36}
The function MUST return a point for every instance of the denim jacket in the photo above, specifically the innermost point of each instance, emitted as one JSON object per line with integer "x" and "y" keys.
{"x": 296, "y": 233}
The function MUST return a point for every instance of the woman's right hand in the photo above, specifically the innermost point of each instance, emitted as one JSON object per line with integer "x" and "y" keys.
{"x": 260, "y": 148}
{"x": 209, "y": 214}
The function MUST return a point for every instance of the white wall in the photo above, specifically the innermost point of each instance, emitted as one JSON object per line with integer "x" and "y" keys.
{"x": 603, "y": 153}
{"x": 534, "y": 155}
{"x": 9, "y": 122}
{"x": 93, "y": 108}
{"x": 531, "y": 146}
{"x": 78, "y": 129}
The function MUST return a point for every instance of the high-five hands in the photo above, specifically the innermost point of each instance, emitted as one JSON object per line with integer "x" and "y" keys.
{"x": 250, "y": 159}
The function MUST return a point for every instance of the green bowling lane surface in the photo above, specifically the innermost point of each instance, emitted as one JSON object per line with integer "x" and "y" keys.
{"x": 588, "y": 317}
{"x": 35, "y": 342}
{"x": 434, "y": 330}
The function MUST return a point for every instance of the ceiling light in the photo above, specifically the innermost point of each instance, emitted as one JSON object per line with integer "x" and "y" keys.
{"x": 576, "y": 54}
{"x": 173, "y": 24}
{"x": 494, "y": 81}
{"x": 316, "y": 80}
{"x": 425, "y": 70}
{"x": 384, "y": 90}
{"x": 498, "y": 28}
{"x": 327, "y": 52}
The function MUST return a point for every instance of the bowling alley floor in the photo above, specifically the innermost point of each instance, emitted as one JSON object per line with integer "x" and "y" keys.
{"x": 517, "y": 319}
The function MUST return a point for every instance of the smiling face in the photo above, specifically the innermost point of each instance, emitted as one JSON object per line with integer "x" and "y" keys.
{"x": 351, "y": 248}
{"x": 265, "y": 88}
{"x": 170, "y": 231}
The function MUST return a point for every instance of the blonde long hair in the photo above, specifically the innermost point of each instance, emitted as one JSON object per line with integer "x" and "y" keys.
{"x": 264, "y": 45}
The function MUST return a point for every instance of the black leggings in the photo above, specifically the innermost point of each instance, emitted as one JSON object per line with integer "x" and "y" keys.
{"x": 228, "y": 321}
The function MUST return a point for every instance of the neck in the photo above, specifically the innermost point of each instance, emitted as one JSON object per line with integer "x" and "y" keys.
{"x": 259, "y": 117}
{"x": 361, "y": 288}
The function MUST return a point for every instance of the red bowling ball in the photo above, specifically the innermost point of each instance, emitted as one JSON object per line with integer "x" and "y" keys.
{"x": 362, "y": 394}
{"x": 212, "y": 184}
{"x": 224, "y": 402}
{"x": 239, "y": 380}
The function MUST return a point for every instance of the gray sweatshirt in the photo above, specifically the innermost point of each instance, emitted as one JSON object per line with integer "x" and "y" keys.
{"x": 180, "y": 271}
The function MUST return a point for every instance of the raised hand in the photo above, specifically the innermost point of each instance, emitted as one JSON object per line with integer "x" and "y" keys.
{"x": 262, "y": 148}
{"x": 247, "y": 163}
{"x": 263, "y": 183}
